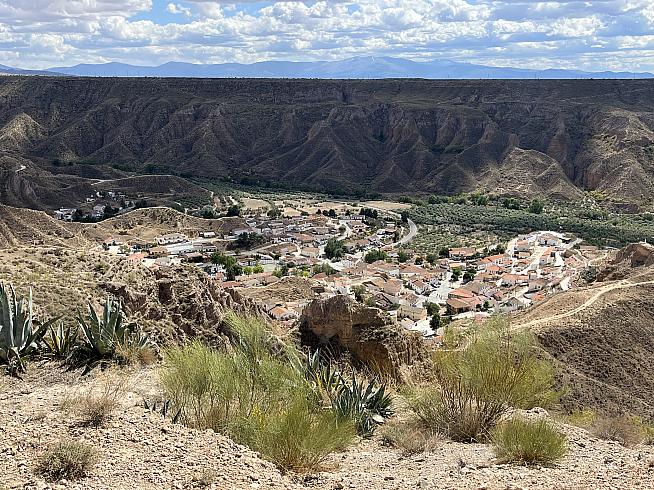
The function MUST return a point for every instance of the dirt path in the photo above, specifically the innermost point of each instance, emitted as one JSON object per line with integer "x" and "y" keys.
{"x": 623, "y": 284}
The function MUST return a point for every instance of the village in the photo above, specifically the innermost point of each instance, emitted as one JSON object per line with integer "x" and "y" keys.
{"x": 365, "y": 254}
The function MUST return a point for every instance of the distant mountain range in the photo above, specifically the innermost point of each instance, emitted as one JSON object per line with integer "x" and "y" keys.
{"x": 360, "y": 67}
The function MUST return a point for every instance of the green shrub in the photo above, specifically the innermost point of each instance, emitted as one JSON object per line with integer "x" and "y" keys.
{"x": 476, "y": 384}
{"x": 257, "y": 393}
{"x": 528, "y": 442}
{"x": 68, "y": 460}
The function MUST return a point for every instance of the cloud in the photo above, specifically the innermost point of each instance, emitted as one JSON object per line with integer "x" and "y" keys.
{"x": 177, "y": 9}
{"x": 589, "y": 34}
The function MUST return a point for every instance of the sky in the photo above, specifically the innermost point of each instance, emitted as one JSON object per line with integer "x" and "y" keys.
{"x": 591, "y": 35}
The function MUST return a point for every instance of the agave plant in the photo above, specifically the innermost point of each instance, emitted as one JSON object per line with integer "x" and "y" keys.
{"x": 60, "y": 340}
{"x": 104, "y": 336}
{"x": 19, "y": 336}
{"x": 366, "y": 404}
{"x": 324, "y": 378}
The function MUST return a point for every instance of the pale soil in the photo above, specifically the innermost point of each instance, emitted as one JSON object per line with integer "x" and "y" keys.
{"x": 138, "y": 449}
{"x": 590, "y": 464}
{"x": 386, "y": 205}
{"x": 254, "y": 204}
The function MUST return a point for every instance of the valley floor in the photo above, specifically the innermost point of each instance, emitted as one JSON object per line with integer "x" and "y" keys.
{"x": 139, "y": 449}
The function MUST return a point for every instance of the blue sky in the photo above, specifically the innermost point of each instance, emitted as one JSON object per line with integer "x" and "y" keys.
{"x": 591, "y": 35}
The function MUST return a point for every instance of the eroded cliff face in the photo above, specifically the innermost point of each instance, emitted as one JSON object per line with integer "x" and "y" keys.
{"x": 383, "y": 135}
{"x": 180, "y": 303}
{"x": 369, "y": 334}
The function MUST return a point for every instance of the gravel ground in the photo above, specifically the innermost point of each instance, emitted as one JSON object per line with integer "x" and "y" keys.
{"x": 141, "y": 450}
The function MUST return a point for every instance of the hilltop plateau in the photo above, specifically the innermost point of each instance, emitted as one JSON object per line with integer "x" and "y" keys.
{"x": 555, "y": 138}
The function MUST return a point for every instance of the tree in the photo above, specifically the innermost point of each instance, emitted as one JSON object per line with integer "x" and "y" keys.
{"x": 229, "y": 263}
{"x": 511, "y": 203}
{"x": 435, "y": 322}
{"x": 469, "y": 274}
{"x": 247, "y": 241}
{"x": 479, "y": 200}
{"x": 324, "y": 268}
{"x": 456, "y": 274}
{"x": 334, "y": 248}
{"x": 444, "y": 252}
{"x": 281, "y": 271}
{"x": 257, "y": 269}
{"x": 432, "y": 308}
{"x": 432, "y": 258}
{"x": 536, "y": 206}
{"x": 374, "y": 256}
{"x": 247, "y": 270}
{"x": 234, "y": 210}
{"x": 331, "y": 213}
{"x": 402, "y": 256}
{"x": 274, "y": 212}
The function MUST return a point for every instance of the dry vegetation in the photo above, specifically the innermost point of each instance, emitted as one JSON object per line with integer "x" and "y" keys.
{"x": 67, "y": 460}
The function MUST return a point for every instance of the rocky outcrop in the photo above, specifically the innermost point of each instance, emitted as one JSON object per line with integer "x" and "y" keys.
{"x": 625, "y": 260}
{"x": 180, "y": 302}
{"x": 369, "y": 334}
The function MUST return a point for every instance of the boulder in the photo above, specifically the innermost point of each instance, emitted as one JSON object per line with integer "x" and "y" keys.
{"x": 370, "y": 335}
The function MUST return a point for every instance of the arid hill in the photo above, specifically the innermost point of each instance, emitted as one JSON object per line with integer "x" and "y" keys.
{"x": 19, "y": 227}
{"x": 526, "y": 137}
{"x": 602, "y": 337}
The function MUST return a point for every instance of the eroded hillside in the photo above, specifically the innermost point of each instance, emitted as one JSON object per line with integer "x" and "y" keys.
{"x": 515, "y": 137}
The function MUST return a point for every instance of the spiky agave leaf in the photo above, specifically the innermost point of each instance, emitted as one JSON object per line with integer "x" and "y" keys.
{"x": 18, "y": 338}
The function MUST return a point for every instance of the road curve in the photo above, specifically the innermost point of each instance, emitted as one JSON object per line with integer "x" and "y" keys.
{"x": 413, "y": 231}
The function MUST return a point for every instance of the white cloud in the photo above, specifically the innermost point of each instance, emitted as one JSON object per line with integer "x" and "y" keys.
{"x": 585, "y": 34}
{"x": 177, "y": 9}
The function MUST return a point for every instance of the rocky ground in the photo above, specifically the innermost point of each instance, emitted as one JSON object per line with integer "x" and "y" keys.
{"x": 138, "y": 449}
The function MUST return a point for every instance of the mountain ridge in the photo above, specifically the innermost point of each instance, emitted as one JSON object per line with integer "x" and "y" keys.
{"x": 358, "y": 67}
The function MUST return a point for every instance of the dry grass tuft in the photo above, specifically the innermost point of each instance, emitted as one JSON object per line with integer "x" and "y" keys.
{"x": 584, "y": 418}
{"x": 96, "y": 405}
{"x": 476, "y": 384}
{"x": 626, "y": 430}
{"x": 68, "y": 460}
{"x": 410, "y": 437}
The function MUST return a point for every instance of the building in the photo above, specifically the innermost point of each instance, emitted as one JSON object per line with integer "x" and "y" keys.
{"x": 282, "y": 314}
{"x": 415, "y": 313}
{"x": 65, "y": 214}
{"x": 171, "y": 238}
{"x": 463, "y": 253}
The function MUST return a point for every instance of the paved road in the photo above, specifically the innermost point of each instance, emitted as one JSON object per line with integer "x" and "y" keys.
{"x": 413, "y": 231}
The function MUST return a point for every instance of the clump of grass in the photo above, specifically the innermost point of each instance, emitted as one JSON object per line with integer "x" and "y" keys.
{"x": 523, "y": 441}
{"x": 96, "y": 405}
{"x": 257, "y": 394}
{"x": 410, "y": 437}
{"x": 626, "y": 430}
{"x": 68, "y": 460}
{"x": 478, "y": 383}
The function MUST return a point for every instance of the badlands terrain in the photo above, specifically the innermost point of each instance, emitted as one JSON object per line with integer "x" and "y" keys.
{"x": 555, "y": 138}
